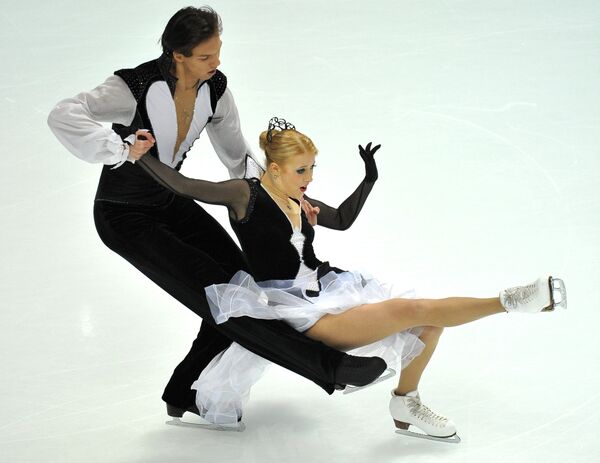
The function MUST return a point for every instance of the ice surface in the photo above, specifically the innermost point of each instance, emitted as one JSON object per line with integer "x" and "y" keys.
{"x": 488, "y": 113}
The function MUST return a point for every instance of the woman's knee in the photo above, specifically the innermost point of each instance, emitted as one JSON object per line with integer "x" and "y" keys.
{"x": 407, "y": 312}
{"x": 430, "y": 333}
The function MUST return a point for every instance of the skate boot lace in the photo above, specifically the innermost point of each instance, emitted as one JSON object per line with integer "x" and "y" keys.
{"x": 519, "y": 295}
{"x": 424, "y": 413}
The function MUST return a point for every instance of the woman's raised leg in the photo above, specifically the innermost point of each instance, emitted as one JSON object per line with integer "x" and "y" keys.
{"x": 368, "y": 323}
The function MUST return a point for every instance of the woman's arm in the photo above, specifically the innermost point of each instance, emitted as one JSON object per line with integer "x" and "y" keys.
{"x": 342, "y": 217}
{"x": 234, "y": 194}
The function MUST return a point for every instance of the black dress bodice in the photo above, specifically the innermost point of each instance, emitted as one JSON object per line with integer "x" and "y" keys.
{"x": 265, "y": 235}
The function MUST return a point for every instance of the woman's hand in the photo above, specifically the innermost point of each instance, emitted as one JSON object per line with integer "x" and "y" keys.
{"x": 310, "y": 212}
{"x": 368, "y": 153}
{"x": 144, "y": 141}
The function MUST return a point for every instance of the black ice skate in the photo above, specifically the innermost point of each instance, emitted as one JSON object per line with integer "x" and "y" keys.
{"x": 177, "y": 413}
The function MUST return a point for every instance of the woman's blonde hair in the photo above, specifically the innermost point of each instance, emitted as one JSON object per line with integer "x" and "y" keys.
{"x": 285, "y": 144}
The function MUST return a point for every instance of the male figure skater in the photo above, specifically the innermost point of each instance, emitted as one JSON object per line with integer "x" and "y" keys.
{"x": 162, "y": 107}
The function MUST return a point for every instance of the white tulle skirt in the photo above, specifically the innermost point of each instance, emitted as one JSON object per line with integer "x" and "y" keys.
{"x": 224, "y": 386}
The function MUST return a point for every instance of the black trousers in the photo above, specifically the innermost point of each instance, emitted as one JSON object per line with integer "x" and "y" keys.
{"x": 183, "y": 249}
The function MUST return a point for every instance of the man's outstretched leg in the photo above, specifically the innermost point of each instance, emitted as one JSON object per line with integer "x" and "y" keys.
{"x": 183, "y": 249}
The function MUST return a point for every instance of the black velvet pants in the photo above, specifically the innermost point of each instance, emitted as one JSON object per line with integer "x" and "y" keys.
{"x": 183, "y": 249}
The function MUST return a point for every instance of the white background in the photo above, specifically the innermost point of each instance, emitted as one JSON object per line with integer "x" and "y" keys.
{"x": 488, "y": 113}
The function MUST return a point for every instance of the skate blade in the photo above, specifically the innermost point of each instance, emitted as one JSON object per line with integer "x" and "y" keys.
{"x": 240, "y": 427}
{"x": 558, "y": 294}
{"x": 386, "y": 375}
{"x": 454, "y": 439}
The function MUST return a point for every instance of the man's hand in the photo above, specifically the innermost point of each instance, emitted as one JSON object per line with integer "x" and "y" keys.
{"x": 143, "y": 142}
{"x": 310, "y": 211}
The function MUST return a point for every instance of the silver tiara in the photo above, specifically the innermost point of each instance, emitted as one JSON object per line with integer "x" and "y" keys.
{"x": 278, "y": 123}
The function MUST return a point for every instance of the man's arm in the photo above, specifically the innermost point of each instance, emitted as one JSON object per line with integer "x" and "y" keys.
{"x": 225, "y": 134}
{"x": 76, "y": 122}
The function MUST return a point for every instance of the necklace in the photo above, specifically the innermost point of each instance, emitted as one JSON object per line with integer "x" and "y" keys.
{"x": 280, "y": 197}
{"x": 186, "y": 106}
{"x": 185, "y": 101}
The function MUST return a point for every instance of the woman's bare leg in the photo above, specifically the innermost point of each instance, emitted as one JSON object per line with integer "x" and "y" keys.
{"x": 411, "y": 375}
{"x": 368, "y": 323}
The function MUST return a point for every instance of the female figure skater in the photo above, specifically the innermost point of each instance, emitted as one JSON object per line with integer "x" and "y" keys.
{"x": 345, "y": 310}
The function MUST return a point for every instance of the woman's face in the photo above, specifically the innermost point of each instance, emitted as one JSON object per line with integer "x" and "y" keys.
{"x": 294, "y": 175}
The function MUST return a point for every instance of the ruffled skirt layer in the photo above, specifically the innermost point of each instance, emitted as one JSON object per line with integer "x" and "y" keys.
{"x": 224, "y": 386}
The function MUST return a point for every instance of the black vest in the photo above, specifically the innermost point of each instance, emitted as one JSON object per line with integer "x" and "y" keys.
{"x": 129, "y": 183}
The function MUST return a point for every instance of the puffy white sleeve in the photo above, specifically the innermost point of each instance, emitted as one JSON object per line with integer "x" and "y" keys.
{"x": 225, "y": 134}
{"x": 77, "y": 122}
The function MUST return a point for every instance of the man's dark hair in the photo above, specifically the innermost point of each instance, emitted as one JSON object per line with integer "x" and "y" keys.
{"x": 189, "y": 27}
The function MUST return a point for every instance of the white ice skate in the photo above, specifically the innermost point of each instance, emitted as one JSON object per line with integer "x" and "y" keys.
{"x": 200, "y": 422}
{"x": 408, "y": 410}
{"x": 543, "y": 295}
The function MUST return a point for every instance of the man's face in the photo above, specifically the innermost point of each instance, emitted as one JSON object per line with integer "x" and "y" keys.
{"x": 204, "y": 61}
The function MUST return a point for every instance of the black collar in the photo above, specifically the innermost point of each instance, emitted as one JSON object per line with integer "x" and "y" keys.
{"x": 165, "y": 64}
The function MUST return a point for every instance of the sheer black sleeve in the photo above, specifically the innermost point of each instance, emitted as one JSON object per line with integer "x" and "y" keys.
{"x": 345, "y": 215}
{"x": 234, "y": 194}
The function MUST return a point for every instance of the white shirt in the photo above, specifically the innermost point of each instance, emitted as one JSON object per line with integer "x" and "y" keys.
{"x": 77, "y": 123}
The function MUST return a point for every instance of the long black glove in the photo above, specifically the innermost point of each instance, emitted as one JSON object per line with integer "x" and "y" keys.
{"x": 342, "y": 217}
{"x": 368, "y": 155}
